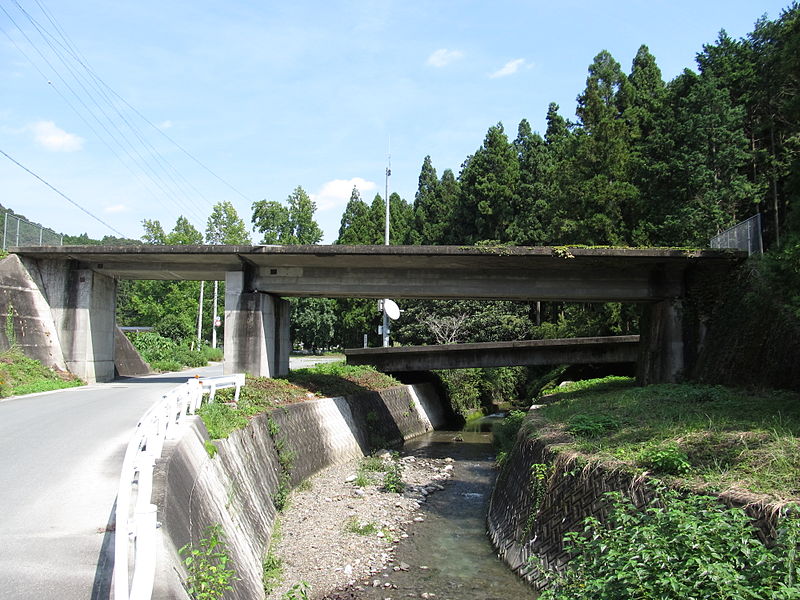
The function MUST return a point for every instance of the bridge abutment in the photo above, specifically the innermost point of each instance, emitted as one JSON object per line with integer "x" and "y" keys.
{"x": 82, "y": 307}
{"x": 256, "y": 330}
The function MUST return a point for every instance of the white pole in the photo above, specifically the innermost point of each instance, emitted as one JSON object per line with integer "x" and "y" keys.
{"x": 214, "y": 328}
{"x": 200, "y": 314}
{"x": 385, "y": 330}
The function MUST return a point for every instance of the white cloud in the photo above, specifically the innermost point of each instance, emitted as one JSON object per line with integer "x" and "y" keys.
{"x": 337, "y": 192}
{"x": 53, "y": 138}
{"x": 165, "y": 124}
{"x": 443, "y": 57}
{"x": 509, "y": 68}
{"x": 116, "y": 208}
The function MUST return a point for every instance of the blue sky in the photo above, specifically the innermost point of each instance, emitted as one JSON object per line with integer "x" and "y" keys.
{"x": 269, "y": 96}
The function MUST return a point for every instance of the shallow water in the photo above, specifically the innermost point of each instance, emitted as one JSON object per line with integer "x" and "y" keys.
{"x": 450, "y": 555}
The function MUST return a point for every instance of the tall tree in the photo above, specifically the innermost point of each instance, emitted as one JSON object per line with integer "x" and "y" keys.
{"x": 602, "y": 192}
{"x": 224, "y": 226}
{"x": 489, "y": 182}
{"x": 356, "y": 226}
{"x": 531, "y": 201}
{"x": 431, "y": 215}
{"x": 301, "y": 216}
{"x": 290, "y": 224}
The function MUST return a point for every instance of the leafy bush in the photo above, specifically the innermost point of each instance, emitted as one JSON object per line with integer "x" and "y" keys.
{"x": 664, "y": 458}
{"x": 505, "y": 433}
{"x": 677, "y": 547}
{"x": 164, "y": 354}
{"x": 463, "y": 389}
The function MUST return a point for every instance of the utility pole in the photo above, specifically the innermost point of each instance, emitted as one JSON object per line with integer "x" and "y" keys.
{"x": 200, "y": 314}
{"x": 385, "y": 330}
{"x": 216, "y": 318}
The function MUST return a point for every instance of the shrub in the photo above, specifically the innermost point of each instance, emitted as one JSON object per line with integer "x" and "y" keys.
{"x": 664, "y": 458}
{"x": 505, "y": 432}
{"x": 677, "y": 547}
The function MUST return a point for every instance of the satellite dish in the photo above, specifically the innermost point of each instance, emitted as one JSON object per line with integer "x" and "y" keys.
{"x": 391, "y": 308}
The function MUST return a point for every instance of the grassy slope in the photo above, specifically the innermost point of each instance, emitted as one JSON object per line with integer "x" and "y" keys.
{"x": 709, "y": 437}
{"x": 22, "y": 375}
{"x": 261, "y": 394}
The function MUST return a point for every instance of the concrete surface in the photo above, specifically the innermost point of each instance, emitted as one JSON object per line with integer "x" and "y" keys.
{"x": 528, "y": 273}
{"x": 62, "y": 455}
{"x": 611, "y": 349}
{"x": 235, "y": 488}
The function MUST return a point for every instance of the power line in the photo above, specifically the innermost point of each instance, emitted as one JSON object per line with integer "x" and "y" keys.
{"x": 179, "y": 190}
{"x": 62, "y": 194}
{"x": 132, "y": 152}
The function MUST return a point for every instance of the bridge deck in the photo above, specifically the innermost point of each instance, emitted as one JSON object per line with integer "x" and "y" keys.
{"x": 522, "y": 273}
{"x": 612, "y": 349}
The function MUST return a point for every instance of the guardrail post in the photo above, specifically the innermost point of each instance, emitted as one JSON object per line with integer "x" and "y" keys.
{"x": 144, "y": 575}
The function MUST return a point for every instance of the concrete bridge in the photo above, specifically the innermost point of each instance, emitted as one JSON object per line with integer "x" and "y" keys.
{"x": 78, "y": 283}
{"x": 612, "y": 349}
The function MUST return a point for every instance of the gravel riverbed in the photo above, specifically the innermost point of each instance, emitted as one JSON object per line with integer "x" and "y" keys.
{"x": 338, "y": 536}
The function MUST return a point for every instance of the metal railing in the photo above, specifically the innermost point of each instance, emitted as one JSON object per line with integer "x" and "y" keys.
{"x": 136, "y": 522}
{"x": 19, "y": 232}
{"x": 742, "y": 236}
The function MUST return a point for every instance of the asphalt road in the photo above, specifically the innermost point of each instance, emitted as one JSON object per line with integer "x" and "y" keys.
{"x": 60, "y": 459}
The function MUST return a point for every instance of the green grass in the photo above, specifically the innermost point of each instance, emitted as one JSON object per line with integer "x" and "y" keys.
{"x": 338, "y": 379}
{"x": 707, "y": 436}
{"x": 22, "y": 375}
{"x": 261, "y": 394}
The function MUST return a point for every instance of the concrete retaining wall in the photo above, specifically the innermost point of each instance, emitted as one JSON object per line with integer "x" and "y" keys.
{"x": 528, "y": 517}
{"x": 236, "y": 487}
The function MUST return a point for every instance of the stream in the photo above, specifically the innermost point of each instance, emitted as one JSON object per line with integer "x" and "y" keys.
{"x": 449, "y": 556}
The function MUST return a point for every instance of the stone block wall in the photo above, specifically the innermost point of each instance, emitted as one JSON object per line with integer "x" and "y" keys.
{"x": 528, "y": 516}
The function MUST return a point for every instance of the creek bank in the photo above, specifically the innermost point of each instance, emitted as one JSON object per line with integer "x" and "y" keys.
{"x": 238, "y": 484}
{"x": 543, "y": 492}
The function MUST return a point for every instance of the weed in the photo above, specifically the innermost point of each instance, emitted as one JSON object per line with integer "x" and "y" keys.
{"x": 211, "y": 448}
{"x": 208, "y": 564}
{"x": 677, "y": 547}
{"x": 272, "y": 564}
{"x": 11, "y": 335}
{"x": 505, "y": 433}
{"x": 353, "y": 525}
{"x": 537, "y": 486}
{"x": 664, "y": 458}
{"x": 285, "y": 461}
{"x": 393, "y": 478}
{"x": 20, "y": 375}
{"x": 299, "y": 591}
{"x": 305, "y": 486}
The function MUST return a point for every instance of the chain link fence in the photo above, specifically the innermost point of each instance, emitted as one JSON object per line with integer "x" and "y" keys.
{"x": 16, "y": 231}
{"x": 742, "y": 236}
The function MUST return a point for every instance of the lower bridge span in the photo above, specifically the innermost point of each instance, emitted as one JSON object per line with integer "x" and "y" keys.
{"x": 587, "y": 350}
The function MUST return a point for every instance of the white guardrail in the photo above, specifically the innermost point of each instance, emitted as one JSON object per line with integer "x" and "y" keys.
{"x": 136, "y": 524}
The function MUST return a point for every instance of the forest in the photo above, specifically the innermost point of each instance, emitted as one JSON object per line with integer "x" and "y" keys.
{"x": 646, "y": 162}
